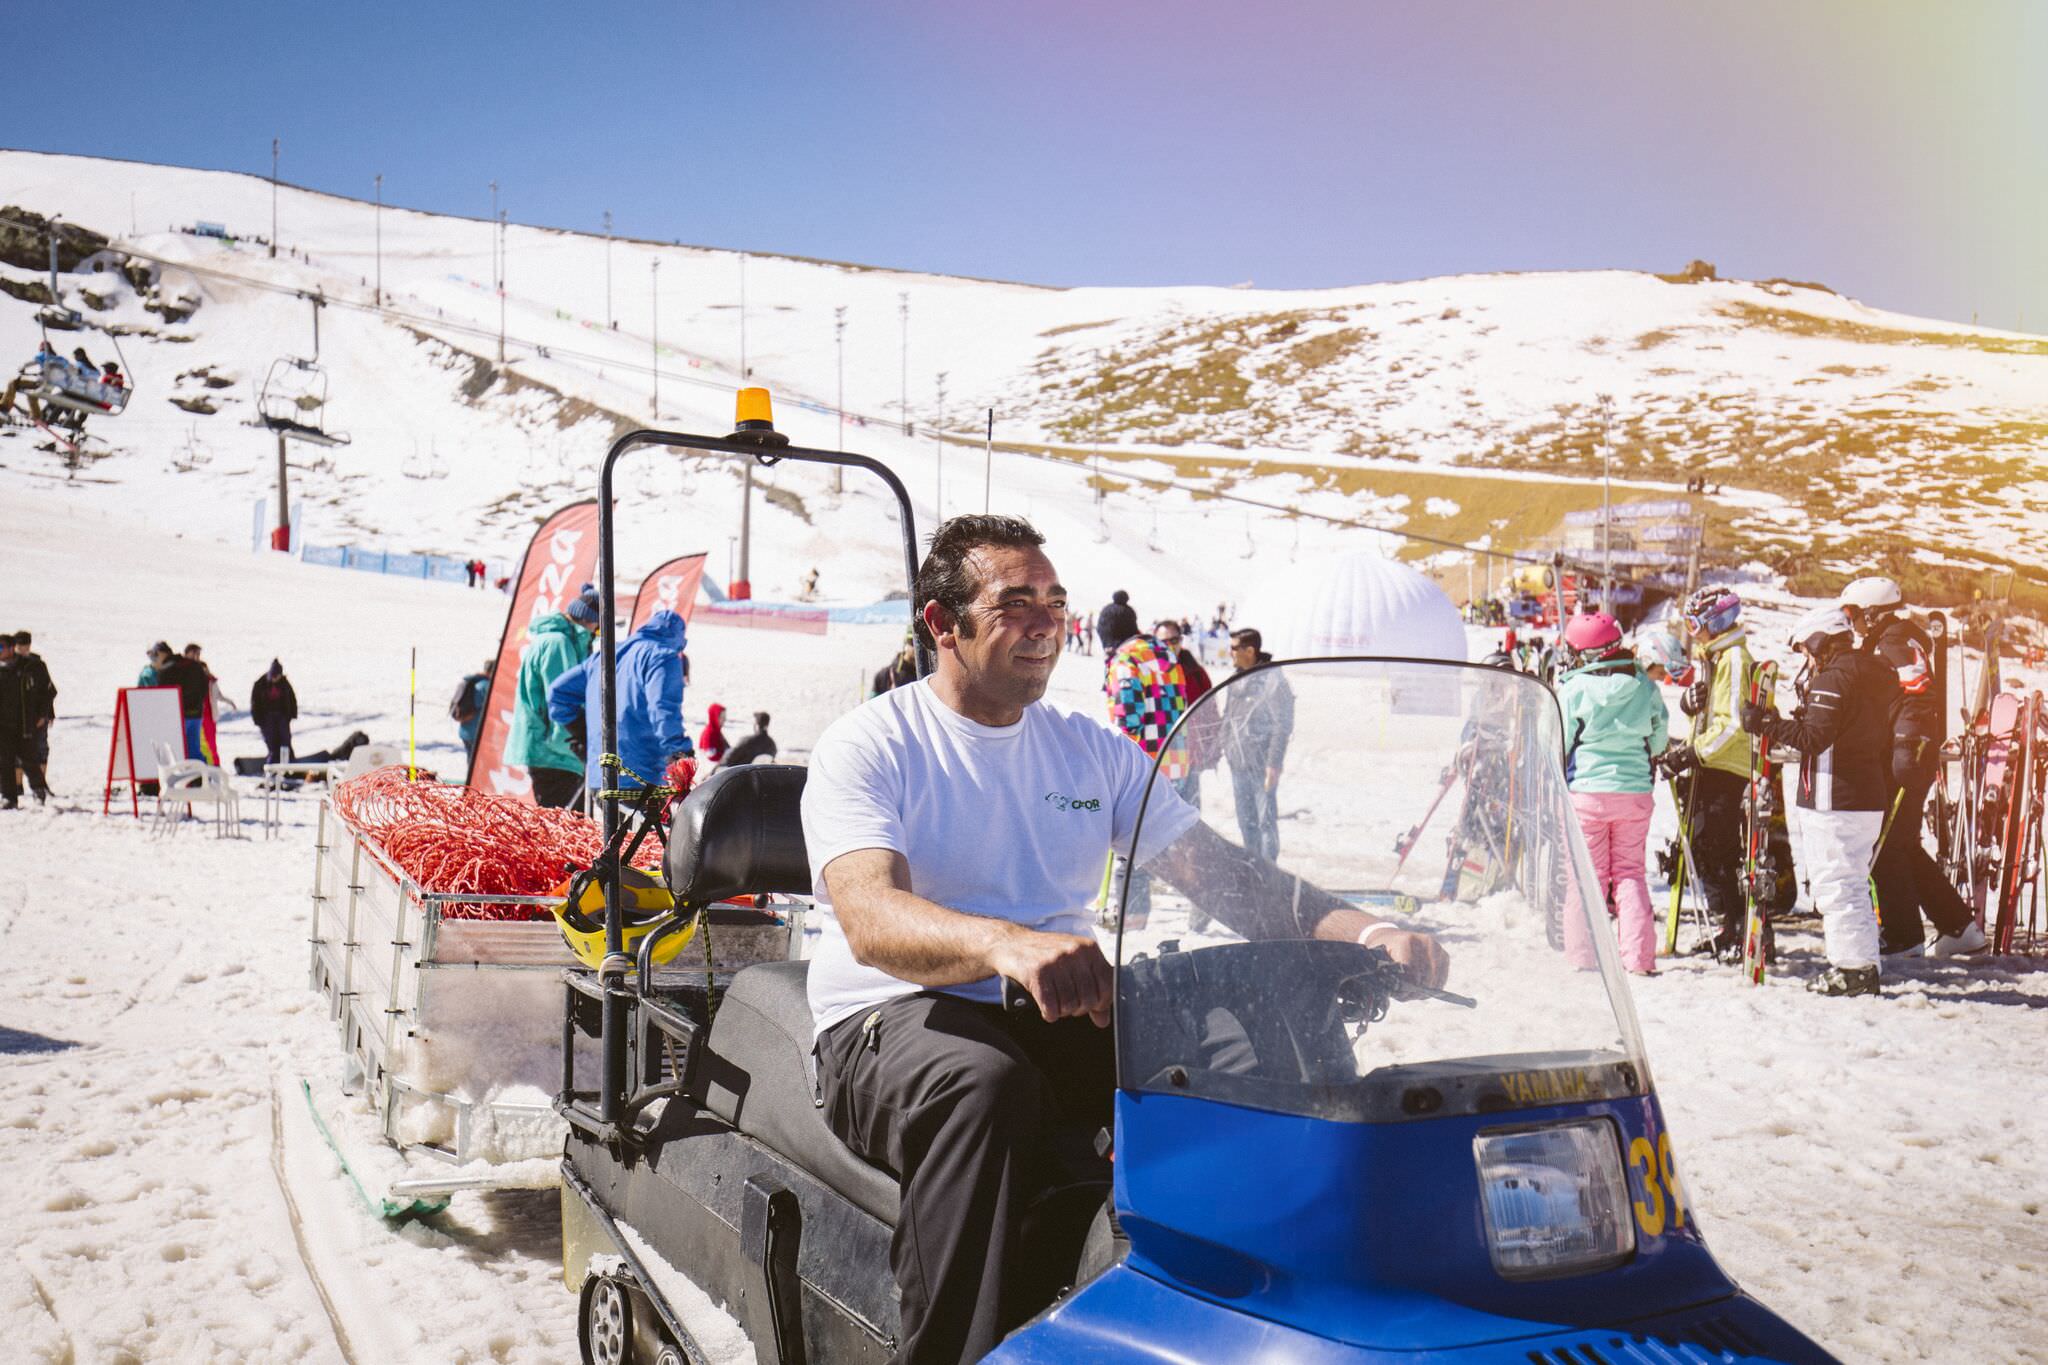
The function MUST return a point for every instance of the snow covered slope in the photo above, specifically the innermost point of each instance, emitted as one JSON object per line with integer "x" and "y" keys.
{"x": 1872, "y": 430}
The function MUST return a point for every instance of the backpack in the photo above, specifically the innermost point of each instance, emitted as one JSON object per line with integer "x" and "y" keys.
{"x": 462, "y": 706}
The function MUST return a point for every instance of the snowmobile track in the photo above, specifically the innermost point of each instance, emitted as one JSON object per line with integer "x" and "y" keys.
{"x": 291, "y": 1205}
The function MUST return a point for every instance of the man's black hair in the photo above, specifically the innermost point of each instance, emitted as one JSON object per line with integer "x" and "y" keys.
{"x": 1248, "y": 636}
{"x": 760, "y": 720}
{"x": 944, "y": 576}
{"x": 21, "y": 637}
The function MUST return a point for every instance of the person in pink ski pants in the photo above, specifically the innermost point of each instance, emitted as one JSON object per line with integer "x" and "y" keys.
{"x": 1614, "y": 722}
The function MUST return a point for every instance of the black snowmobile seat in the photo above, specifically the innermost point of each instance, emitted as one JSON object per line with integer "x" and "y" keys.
{"x": 759, "y": 1080}
{"x": 741, "y": 833}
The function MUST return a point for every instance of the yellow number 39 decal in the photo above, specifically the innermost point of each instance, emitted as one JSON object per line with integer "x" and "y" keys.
{"x": 1653, "y": 1167}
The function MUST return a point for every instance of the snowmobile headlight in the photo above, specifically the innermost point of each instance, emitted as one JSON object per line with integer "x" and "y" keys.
{"x": 1556, "y": 1199}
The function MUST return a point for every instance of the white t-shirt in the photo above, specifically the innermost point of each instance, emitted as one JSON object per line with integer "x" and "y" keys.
{"x": 1013, "y": 822}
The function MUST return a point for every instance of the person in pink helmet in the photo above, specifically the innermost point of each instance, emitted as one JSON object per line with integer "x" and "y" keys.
{"x": 1614, "y": 721}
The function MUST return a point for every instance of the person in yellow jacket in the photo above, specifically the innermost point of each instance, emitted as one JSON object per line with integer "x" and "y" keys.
{"x": 1722, "y": 750}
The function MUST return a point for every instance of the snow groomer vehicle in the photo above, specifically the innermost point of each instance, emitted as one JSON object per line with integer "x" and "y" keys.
{"x": 1314, "y": 1160}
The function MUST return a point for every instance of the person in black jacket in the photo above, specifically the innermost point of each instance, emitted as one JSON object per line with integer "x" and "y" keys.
{"x": 1908, "y": 882}
{"x": 21, "y": 709}
{"x": 1843, "y": 732}
{"x": 42, "y": 705}
{"x": 274, "y": 706}
{"x": 758, "y": 745}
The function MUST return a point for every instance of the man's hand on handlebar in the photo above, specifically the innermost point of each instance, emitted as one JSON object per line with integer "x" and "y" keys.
{"x": 1419, "y": 956}
{"x": 1065, "y": 974}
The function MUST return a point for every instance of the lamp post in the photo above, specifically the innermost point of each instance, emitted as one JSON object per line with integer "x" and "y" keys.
{"x": 654, "y": 329}
{"x": 743, "y": 318}
{"x": 939, "y": 456}
{"x": 273, "y": 198}
{"x": 494, "y": 234}
{"x": 839, "y": 340}
{"x": 903, "y": 308}
{"x": 380, "y": 241}
{"x": 608, "y": 269}
{"x": 501, "y": 286}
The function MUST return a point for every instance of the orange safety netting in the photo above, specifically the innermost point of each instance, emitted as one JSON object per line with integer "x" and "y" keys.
{"x": 455, "y": 839}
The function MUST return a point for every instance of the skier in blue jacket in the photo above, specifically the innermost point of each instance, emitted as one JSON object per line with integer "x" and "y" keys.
{"x": 651, "y": 733}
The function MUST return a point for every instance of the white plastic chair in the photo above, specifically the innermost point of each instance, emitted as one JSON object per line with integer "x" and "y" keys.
{"x": 364, "y": 758}
{"x": 186, "y": 782}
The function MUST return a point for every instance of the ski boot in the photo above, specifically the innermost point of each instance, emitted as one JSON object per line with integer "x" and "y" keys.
{"x": 1972, "y": 939}
{"x": 1845, "y": 981}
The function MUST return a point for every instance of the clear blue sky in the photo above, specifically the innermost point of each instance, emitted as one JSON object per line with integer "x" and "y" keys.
{"x": 1891, "y": 149}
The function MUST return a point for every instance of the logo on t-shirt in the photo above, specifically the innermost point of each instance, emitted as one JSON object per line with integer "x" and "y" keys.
{"x": 1059, "y": 802}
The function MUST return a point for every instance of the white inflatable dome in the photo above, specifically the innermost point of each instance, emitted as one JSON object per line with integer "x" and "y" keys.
{"x": 1357, "y": 603}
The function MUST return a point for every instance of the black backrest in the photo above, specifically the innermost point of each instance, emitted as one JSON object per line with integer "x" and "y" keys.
{"x": 740, "y": 833}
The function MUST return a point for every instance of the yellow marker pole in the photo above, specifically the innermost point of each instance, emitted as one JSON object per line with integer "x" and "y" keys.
{"x": 412, "y": 725}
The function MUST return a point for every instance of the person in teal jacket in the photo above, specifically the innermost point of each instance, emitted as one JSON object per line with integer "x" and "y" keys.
{"x": 554, "y": 645}
{"x": 1614, "y": 721}
{"x": 650, "y": 716}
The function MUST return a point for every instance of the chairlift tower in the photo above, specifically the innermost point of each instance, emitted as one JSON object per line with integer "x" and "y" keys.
{"x": 295, "y": 388}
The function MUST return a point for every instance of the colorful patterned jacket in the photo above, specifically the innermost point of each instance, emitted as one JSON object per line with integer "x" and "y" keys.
{"x": 1147, "y": 693}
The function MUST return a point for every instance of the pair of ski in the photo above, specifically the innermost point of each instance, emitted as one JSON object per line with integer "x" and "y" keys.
{"x": 2019, "y": 824}
{"x": 1756, "y": 872}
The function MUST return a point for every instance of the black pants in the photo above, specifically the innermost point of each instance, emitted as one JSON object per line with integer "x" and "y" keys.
{"x": 20, "y": 751}
{"x": 277, "y": 738}
{"x": 988, "y": 1120}
{"x": 554, "y": 786}
{"x": 1908, "y": 881}
{"x": 1716, "y": 835}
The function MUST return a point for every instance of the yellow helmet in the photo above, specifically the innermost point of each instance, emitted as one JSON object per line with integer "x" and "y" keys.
{"x": 648, "y": 905}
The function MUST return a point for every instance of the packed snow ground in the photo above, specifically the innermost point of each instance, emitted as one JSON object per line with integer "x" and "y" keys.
{"x": 1872, "y": 1168}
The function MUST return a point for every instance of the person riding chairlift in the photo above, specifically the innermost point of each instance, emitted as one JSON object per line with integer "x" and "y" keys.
{"x": 110, "y": 375}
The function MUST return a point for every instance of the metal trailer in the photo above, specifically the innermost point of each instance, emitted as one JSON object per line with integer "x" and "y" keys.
{"x": 435, "y": 1011}
{"x": 399, "y": 975}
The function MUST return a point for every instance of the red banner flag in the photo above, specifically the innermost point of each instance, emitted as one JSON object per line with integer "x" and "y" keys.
{"x": 673, "y": 586}
{"x": 560, "y": 559}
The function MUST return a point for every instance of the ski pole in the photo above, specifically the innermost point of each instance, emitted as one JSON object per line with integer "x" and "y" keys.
{"x": 1898, "y": 798}
{"x": 1405, "y": 845}
{"x": 412, "y": 727}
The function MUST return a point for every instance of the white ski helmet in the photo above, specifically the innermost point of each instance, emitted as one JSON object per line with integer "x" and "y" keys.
{"x": 1873, "y": 594}
{"x": 1817, "y": 625}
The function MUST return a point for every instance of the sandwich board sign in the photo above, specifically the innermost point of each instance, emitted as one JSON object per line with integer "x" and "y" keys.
{"x": 144, "y": 717}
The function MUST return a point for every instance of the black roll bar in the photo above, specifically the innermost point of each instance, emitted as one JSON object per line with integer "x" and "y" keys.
{"x": 746, "y": 446}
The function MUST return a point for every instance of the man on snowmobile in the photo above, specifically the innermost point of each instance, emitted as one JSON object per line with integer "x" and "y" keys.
{"x": 1909, "y": 884}
{"x": 1842, "y": 730}
{"x": 957, "y": 828}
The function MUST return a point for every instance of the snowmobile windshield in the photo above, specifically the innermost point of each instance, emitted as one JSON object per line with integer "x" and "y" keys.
{"x": 1427, "y": 795}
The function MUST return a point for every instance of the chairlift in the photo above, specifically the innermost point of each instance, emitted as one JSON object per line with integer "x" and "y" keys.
{"x": 193, "y": 455}
{"x": 432, "y": 467}
{"x": 59, "y": 393}
{"x": 293, "y": 399}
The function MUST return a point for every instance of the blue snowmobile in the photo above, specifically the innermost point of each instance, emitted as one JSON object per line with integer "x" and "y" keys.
{"x": 1314, "y": 1159}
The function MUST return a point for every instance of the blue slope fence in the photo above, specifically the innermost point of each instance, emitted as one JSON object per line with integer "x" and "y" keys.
{"x": 438, "y": 568}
